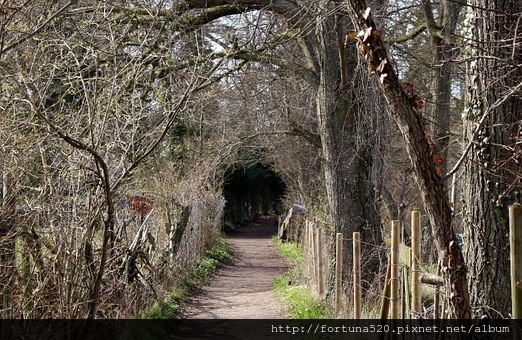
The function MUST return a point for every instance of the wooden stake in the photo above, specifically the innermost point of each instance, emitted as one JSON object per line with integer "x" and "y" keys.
{"x": 395, "y": 303}
{"x": 338, "y": 271}
{"x": 309, "y": 249}
{"x": 404, "y": 292}
{"x": 319, "y": 253}
{"x": 357, "y": 275}
{"x": 313, "y": 248}
{"x": 415, "y": 262}
{"x": 304, "y": 246}
{"x": 515, "y": 240}
{"x": 385, "y": 303}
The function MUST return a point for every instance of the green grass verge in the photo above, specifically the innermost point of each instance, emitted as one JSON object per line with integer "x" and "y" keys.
{"x": 171, "y": 306}
{"x": 289, "y": 250}
{"x": 299, "y": 298}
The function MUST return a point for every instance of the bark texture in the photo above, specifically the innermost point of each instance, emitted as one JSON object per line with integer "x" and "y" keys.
{"x": 492, "y": 172}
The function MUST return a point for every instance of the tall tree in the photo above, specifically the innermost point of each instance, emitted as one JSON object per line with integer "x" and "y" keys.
{"x": 493, "y": 124}
{"x": 441, "y": 30}
{"x": 346, "y": 148}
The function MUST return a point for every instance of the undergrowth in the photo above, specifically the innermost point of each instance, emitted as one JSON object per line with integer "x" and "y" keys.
{"x": 171, "y": 306}
{"x": 298, "y": 297}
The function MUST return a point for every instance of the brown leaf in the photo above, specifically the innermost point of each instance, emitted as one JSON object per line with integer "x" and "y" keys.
{"x": 408, "y": 87}
{"x": 371, "y": 70}
{"x": 419, "y": 102}
{"x": 351, "y": 36}
{"x": 362, "y": 49}
{"x": 377, "y": 34}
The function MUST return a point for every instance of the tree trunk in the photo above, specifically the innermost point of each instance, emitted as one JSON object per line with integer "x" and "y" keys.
{"x": 431, "y": 186}
{"x": 492, "y": 173}
{"x": 347, "y": 154}
{"x": 443, "y": 52}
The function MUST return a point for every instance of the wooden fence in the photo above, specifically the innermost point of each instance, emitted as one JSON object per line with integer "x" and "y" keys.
{"x": 401, "y": 295}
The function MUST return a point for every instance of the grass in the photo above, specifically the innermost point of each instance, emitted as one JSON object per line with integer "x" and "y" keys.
{"x": 172, "y": 305}
{"x": 289, "y": 250}
{"x": 299, "y": 298}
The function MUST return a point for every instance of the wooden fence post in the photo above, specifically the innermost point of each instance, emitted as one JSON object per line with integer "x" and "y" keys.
{"x": 415, "y": 262}
{"x": 395, "y": 303}
{"x": 319, "y": 255}
{"x": 313, "y": 248}
{"x": 385, "y": 302}
{"x": 309, "y": 249}
{"x": 357, "y": 275}
{"x": 515, "y": 240}
{"x": 338, "y": 271}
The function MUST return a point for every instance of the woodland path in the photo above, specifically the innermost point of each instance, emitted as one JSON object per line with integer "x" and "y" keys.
{"x": 242, "y": 288}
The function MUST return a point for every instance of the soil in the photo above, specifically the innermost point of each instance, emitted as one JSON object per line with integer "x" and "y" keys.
{"x": 242, "y": 288}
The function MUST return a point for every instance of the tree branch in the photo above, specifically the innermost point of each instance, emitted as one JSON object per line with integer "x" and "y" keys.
{"x": 38, "y": 29}
{"x": 414, "y": 33}
{"x": 311, "y": 137}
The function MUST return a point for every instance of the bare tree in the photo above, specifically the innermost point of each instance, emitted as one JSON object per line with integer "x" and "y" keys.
{"x": 493, "y": 150}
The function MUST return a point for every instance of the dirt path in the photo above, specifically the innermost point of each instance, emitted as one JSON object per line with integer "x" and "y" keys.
{"x": 242, "y": 289}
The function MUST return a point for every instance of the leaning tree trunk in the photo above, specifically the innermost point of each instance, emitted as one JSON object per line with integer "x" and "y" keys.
{"x": 403, "y": 109}
{"x": 492, "y": 175}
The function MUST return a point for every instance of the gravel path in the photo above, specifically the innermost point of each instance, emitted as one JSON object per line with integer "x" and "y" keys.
{"x": 242, "y": 289}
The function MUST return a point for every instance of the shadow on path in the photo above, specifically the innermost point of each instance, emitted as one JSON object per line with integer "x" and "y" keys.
{"x": 242, "y": 289}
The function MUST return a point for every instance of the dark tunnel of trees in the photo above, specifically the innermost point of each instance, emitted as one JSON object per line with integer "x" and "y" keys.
{"x": 252, "y": 191}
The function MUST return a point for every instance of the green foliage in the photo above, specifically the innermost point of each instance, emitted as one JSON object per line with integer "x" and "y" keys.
{"x": 167, "y": 308}
{"x": 171, "y": 306}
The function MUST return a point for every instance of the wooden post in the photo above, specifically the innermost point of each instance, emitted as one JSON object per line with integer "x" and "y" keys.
{"x": 357, "y": 275}
{"x": 307, "y": 247}
{"x": 515, "y": 240}
{"x": 319, "y": 254}
{"x": 385, "y": 303}
{"x": 405, "y": 290}
{"x": 415, "y": 262}
{"x": 395, "y": 303}
{"x": 313, "y": 248}
{"x": 304, "y": 247}
{"x": 338, "y": 271}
